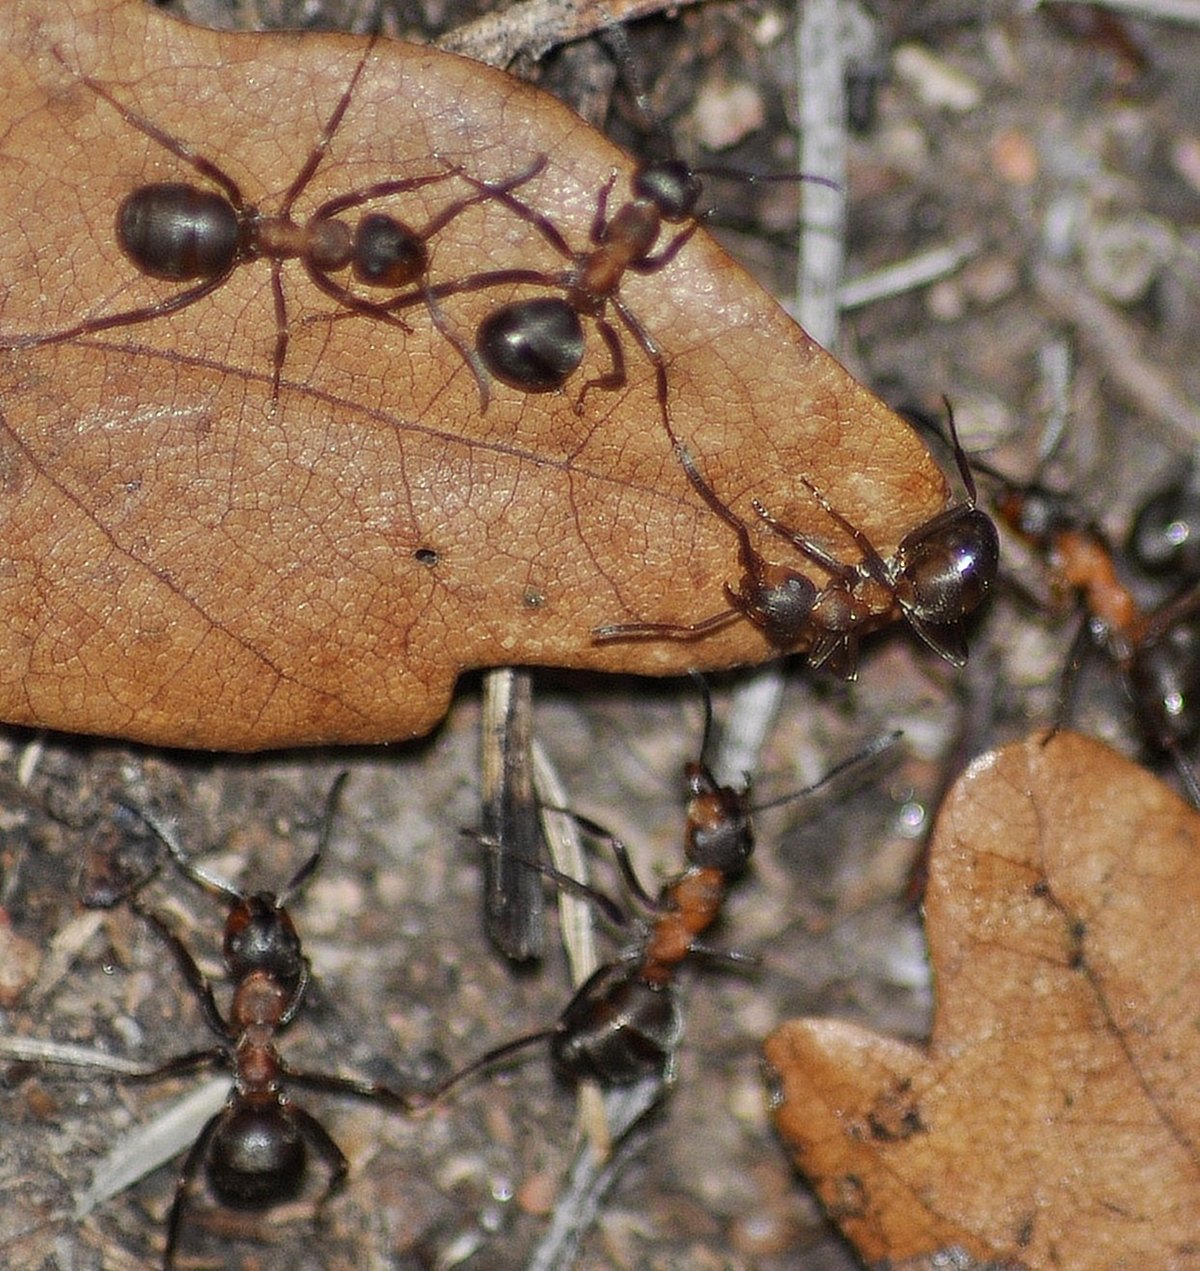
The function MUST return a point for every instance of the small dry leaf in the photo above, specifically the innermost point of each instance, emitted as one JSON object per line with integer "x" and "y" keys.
{"x": 189, "y": 562}
{"x": 1054, "y": 1119}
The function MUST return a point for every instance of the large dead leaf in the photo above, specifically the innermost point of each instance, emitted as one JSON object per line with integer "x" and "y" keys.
{"x": 1055, "y": 1118}
{"x": 189, "y": 563}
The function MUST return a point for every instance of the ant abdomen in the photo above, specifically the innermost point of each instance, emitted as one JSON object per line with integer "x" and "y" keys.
{"x": 257, "y": 1159}
{"x": 175, "y": 231}
{"x": 533, "y": 345}
{"x": 946, "y": 569}
{"x": 618, "y": 1028}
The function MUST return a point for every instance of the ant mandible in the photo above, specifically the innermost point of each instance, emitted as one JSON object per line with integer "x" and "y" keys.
{"x": 254, "y": 1152}
{"x": 939, "y": 574}
{"x": 185, "y": 233}
{"x": 624, "y": 1023}
{"x": 1157, "y": 652}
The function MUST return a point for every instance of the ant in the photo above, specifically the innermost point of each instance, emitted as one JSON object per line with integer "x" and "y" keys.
{"x": 939, "y": 574}
{"x": 185, "y": 233}
{"x": 536, "y": 344}
{"x": 1165, "y": 538}
{"x": 254, "y": 1152}
{"x": 624, "y": 1023}
{"x": 1156, "y": 652}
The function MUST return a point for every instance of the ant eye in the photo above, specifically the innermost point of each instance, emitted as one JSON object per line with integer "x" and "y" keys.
{"x": 534, "y": 345}
{"x": 178, "y": 232}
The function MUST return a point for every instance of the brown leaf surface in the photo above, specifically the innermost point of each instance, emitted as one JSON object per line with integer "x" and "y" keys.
{"x": 187, "y": 563}
{"x": 1054, "y": 1118}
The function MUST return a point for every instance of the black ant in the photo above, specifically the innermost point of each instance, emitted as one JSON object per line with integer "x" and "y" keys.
{"x": 180, "y": 232}
{"x": 939, "y": 574}
{"x": 536, "y": 344}
{"x": 624, "y": 1023}
{"x": 254, "y": 1152}
{"x": 1157, "y": 652}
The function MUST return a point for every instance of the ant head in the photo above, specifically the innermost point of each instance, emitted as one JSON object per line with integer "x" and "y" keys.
{"x": 671, "y": 185}
{"x": 779, "y": 601}
{"x": 260, "y": 936}
{"x": 945, "y": 568}
{"x": 257, "y": 1157}
{"x": 719, "y": 833}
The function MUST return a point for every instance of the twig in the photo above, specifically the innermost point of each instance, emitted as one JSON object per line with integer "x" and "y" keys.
{"x": 1186, "y": 11}
{"x": 536, "y": 26}
{"x": 1115, "y": 342}
{"x": 906, "y": 275}
{"x": 148, "y": 1146}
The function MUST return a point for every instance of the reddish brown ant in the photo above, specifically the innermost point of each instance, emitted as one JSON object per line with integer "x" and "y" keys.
{"x": 1157, "y": 652}
{"x": 254, "y": 1152}
{"x": 180, "y": 232}
{"x": 624, "y": 1023}
{"x": 939, "y": 574}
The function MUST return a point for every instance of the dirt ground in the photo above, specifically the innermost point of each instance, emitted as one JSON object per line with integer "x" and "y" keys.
{"x": 1059, "y": 150}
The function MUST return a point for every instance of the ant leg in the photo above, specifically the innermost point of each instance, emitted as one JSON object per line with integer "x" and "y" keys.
{"x": 131, "y": 316}
{"x": 193, "y": 1061}
{"x": 615, "y": 376}
{"x": 668, "y": 630}
{"x": 735, "y": 958}
{"x": 305, "y": 175}
{"x": 620, "y": 853}
{"x": 874, "y": 563}
{"x": 1187, "y": 774}
{"x": 183, "y": 1185}
{"x": 350, "y": 1087}
{"x": 281, "y": 330}
{"x": 1081, "y": 645}
{"x": 839, "y": 569}
{"x": 487, "y": 1060}
{"x": 472, "y": 359}
{"x": 503, "y": 195}
{"x": 599, "y": 225}
{"x": 180, "y": 149}
{"x": 196, "y": 978}
{"x": 484, "y": 192}
{"x": 333, "y": 1156}
{"x": 607, "y": 906}
{"x": 651, "y": 264}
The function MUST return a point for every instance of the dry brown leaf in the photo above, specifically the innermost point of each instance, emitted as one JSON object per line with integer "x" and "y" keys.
{"x": 188, "y": 563}
{"x": 1054, "y": 1119}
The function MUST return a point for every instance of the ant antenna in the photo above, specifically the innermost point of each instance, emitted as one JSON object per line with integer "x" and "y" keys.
{"x": 302, "y": 875}
{"x": 706, "y": 698}
{"x": 218, "y": 886}
{"x": 866, "y": 755}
